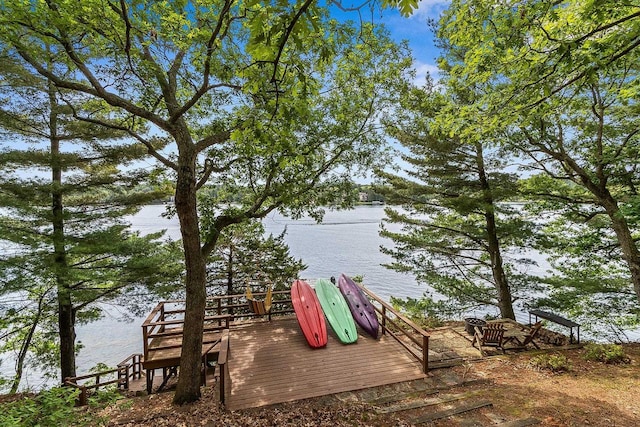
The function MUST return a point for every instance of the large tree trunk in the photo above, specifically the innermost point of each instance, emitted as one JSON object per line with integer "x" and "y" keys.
{"x": 188, "y": 388}
{"x": 230, "y": 278}
{"x": 497, "y": 269}
{"x": 230, "y": 272}
{"x": 628, "y": 246}
{"x": 619, "y": 223}
{"x": 67, "y": 331}
{"x": 66, "y": 315}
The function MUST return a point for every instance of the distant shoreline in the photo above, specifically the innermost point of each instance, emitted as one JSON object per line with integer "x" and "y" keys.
{"x": 373, "y": 203}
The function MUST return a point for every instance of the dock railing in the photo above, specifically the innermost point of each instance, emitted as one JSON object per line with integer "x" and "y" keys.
{"x": 130, "y": 368}
{"x": 237, "y": 307}
{"x": 221, "y": 375}
{"x": 402, "y": 326}
{"x": 167, "y": 318}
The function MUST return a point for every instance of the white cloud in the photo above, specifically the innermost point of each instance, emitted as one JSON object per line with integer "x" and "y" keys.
{"x": 422, "y": 69}
{"x": 430, "y": 8}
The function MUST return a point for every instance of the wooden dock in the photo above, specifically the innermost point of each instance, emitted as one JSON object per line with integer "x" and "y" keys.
{"x": 165, "y": 351}
{"x": 270, "y": 362}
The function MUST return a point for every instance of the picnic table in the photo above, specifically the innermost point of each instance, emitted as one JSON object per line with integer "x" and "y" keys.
{"x": 557, "y": 319}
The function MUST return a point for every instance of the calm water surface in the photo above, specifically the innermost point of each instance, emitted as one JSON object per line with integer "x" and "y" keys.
{"x": 345, "y": 242}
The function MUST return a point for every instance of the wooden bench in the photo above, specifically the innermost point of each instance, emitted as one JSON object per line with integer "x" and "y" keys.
{"x": 557, "y": 319}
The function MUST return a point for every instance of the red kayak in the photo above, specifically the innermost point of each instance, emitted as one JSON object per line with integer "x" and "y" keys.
{"x": 363, "y": 312}
{"x": 309, "y": 314}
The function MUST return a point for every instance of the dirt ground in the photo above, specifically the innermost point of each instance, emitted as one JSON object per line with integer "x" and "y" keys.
{"x": 589, "y": 394}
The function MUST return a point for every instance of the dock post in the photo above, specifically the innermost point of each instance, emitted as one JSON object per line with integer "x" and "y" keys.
{"x": 425, "y": 353}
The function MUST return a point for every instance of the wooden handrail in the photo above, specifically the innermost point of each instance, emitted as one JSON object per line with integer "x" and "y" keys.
{"x": 131, "y": 367}
{"x": 422, "y": 342}
{"x": 161, "y": 307}
{"x": 180, "y": 321}
{"x": 153, "y": 321}
{"x": 224, "y": 378}
{"x": 167, "y": 318}
{"x": 97, "y": 375}
{"x": 82, "y": 398}
{"x": 154, "y": 311}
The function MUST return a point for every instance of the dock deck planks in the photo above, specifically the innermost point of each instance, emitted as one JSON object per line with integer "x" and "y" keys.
{"x": 272, "y": 363}
{"x": 165, "y": 352}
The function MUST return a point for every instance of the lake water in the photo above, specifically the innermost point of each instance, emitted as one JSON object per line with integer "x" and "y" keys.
{"x": 345, "y": 242}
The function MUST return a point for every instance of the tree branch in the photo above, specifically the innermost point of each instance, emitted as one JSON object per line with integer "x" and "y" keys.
{"x": 150, "y": 148}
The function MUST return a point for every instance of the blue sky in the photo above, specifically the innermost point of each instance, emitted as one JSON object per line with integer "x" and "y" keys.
{"x": 414, "y": 29}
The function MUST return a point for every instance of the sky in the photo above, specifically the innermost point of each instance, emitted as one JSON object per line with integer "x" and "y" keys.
{"x": 420, "y": 36}
{"x": 413, "y": 29}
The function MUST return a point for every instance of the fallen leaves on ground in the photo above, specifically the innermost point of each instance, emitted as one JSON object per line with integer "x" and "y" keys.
{"x": 590, "y": 393}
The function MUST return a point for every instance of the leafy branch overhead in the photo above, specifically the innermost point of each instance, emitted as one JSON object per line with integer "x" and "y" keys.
{"x": 555, "y": 85}
{"x": 275, "y": 98}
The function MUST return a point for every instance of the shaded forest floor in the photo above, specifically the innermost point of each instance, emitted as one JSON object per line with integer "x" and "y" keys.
{"x": 504, "y": 388}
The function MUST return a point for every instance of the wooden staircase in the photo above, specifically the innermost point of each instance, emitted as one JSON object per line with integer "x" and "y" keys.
{"x": 421, "y": 402}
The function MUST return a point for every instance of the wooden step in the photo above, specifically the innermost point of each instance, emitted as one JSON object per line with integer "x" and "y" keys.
{"x": 393, "y": 398}
{"x": 520, "y": 423}
{"x": 467, "y": 407}
{"x": 406, "y": 406}
{"x": 449, "y": 363}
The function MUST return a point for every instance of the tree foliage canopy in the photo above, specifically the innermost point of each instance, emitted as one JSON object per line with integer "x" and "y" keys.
{"x": 563, "y": 79}
{"x": 535, "y": 49}
{"x": 275, "y": 97}
{"x": 456, "y": 225}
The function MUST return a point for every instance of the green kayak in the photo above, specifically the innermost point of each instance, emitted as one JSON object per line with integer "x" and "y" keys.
{"x": 336, "y": 311}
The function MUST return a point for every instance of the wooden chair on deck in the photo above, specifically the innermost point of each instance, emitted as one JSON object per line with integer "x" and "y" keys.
{"x": 527, "y": 339}
{"x": 492, "y": 335}
{"x": 259, "y": 307}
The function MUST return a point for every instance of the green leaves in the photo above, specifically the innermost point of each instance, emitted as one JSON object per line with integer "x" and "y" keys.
{"x": 64, "y": 199}
{"x": 406, "y": 7}
{"x": 273, "y": 103}
{"x": 50, "y": 407}
{"x": 539, "y": 48}
{"x": 455, "y": 222}
{"x": 245, "y": 256}
{"x": 551, "y": 83}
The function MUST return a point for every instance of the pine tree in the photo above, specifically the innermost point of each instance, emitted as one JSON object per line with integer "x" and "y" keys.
{"x": 245, "y": 256}
{"x": 455, "y": 227}
{"x": 65, "y": 193}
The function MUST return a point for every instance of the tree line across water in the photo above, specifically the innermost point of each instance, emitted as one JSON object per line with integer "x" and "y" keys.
{"x": 237, "y": 109}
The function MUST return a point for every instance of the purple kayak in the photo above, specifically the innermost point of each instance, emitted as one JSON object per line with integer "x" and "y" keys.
{"x": 361, "y": 309}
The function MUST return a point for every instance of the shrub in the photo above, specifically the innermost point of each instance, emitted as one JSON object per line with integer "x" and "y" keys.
{"x": 52, "y": 407}
{"x": 422, "y": 311}
{"x": 105, "y": 396}
{"x": 551, "y": 362}
{"x": 606, "y": 353}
